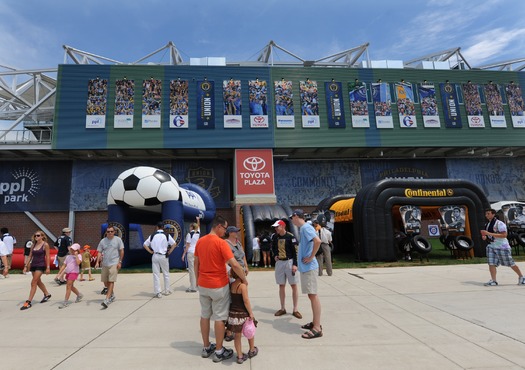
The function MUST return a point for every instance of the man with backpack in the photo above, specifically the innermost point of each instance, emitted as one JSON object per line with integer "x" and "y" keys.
{"x": 62, "y": 244}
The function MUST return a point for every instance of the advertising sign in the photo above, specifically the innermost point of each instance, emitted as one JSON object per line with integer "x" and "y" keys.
{"x": 254, "y": 172}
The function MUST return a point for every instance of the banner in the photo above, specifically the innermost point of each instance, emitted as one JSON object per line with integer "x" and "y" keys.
{"x": 335, "y": 105}
{"x": 232, "y": 103}
{"x": 495, "y": 105}
{"x": 516, "y": 105}
{"x": 124, "y": 103}
{"x": 411, "y": 217}
{"x": 382, "y": 101}
{"x": 258, "y": 92}
{"x": 179, "y": 104}
{"x": 358, "y": 104}
{"x": 453, "y": 217}
{"x": 405, "y": 105}
{"x": 309, "y": 104}
{"x": 96, "y": 103}
{"x": 151, "y": 103}
{"x": 372, "y": 171}
{"x": 205, "y": 105}
{"x": 449, "y": 99}
{"x": 254, "y": 172}
{"x": 284, "y": 112}
{"x": 472, "y": 102}
{"x": 429, "y": 108}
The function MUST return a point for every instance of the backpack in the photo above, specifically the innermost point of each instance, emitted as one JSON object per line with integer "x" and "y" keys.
{"x": 152, "y": 235}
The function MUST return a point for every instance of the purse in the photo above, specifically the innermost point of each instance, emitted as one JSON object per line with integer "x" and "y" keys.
{"x": 248, "y": 328}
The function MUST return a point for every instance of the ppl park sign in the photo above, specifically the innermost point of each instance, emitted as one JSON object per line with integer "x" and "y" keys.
{"x": 24, "y": 183}
{"x": 254, "y": 170}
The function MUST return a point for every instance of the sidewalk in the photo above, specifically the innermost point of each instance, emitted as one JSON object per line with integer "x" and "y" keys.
{"x": 425, "y": 317}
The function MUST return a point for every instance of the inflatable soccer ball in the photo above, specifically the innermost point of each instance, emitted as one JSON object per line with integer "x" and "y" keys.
{"x": 143, "y": 187}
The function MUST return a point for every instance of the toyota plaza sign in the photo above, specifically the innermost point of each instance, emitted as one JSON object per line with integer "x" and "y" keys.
{"x": 254, "y": 172}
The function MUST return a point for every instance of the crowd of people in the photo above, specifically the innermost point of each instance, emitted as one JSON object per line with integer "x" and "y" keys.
{"x": 258, "y": 93}
{"x": 472, "y": 99}
{"x": 493, "y": 99}
{"x": 283, "y": 98}
{"x": 124, "y": 100}
{"x": 97, "y": 97}
{"x": 232, "y": 102}
{"x": 309, "y": 99}
{"x": 179, "y": 105}
{"x": 151, "y": 97}
{"x": 515, "y": 99}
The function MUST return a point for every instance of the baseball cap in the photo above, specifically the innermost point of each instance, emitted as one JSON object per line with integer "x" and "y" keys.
{"x": 75, "y": 247}
{"x": 87, "y": 247}
{"x": 279, "y": 223}
{"x": 298, "y": 212}
{"x": 66, "y": 230}
{"x": 232, "y": 229}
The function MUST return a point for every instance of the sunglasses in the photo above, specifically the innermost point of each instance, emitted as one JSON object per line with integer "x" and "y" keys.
{"x": 110, "y": 231}
{"x": 37, "y": 235}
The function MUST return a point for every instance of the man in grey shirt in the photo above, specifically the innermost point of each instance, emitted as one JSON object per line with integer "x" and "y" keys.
{"x": 111, "y": 251}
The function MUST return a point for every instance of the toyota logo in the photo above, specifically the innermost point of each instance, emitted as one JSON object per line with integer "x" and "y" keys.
{"x": 254, "y": 164}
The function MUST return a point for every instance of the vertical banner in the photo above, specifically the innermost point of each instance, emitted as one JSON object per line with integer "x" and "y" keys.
{"x": 334, "y": 104}
{"x": 515, "y": 100}
{"x": 429, "y": 108}
{"x": 258, "y": 92}
{"x": 405, "y": 105}
{"x": 179, "y": 104}
{"x": 151, "y": 103}
{"x": 309, "y": 104}
{"x": 449, "y": 99}
{"x": 254, "y": 172}
{"x": 205, "y": 105}
{"x": 96, "y": 103}
{"x": 124, "y": 103}
{"x": 495, "y": 105}
{"x": 472, "y": 101}
{"x": 284, "y": 112}
{"x": 232, "y": 105}
{"x": 382, "y": 101}
{"x": 358, "y": 104}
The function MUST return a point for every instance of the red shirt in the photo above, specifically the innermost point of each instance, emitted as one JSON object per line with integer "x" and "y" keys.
{"x": 213, "y": 253}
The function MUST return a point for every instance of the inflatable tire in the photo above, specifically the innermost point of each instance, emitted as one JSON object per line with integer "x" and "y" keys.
{"x": 443, "y": 239}
{"x": 463, "y": 243}
{"x": 420, "y": 244}
{"x": 521, "y": 239}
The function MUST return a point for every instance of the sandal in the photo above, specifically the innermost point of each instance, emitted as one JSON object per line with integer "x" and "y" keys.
{"x": 312, "y": 333}
{"x": 229, "y": 338}
{"x": 26, "y": 305}
{"x": 244, "y": 357}
{"x": 308, "y": 326}
{"x": 253, "y": 353}
{"x": 46, "y": 298}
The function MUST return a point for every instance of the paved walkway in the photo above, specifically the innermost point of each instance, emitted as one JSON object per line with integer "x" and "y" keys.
{"x": 425, "y": 317}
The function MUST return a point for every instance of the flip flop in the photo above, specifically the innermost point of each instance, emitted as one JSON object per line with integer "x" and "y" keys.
{"x": 311, "y": 334}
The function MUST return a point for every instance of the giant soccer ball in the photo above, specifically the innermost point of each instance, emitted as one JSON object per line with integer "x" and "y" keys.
{"x": 143, "y": 187}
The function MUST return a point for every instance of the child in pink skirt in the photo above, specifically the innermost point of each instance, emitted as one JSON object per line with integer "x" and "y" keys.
{"x": 71, "y": 263}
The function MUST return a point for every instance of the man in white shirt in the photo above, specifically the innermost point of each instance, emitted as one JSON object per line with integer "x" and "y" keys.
{"x": 191, "y": 241}
{"x": 157, "y": 245}
{"x": 3, "y": 257}
{"x": 9, "y": 242}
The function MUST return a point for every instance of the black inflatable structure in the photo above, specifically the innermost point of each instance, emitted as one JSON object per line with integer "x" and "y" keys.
{"x": 373, "y": 219}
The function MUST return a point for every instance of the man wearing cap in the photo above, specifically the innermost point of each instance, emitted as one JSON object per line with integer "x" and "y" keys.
{"x": 157, "y": 245}
{"x": 309, "y": 243}
{"x": 111, "y": 251}
{"x": 284, "y": 248}
{"x": 62, "y": 244}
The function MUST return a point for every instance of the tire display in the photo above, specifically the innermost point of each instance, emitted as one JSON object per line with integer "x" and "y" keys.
{"x": 463, "y": 242}
{"x": 420, "y": 244}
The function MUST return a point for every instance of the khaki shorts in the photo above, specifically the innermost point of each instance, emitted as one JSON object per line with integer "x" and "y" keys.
{"x": 309, "y": 282}
{"x": 283, "y": 272}
{"x": 109, "y": 274}
{"x": 215, "y": 303}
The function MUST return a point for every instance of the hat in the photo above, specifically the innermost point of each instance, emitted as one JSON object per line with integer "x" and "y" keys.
{"x": 87, "y": 247}
{"x": 66, "y": 230}
{"x": 298, "y": 212}
{"x": 279, "y": 223}
{"x": 75, "y": 247}
{"x": 232, "y": 229}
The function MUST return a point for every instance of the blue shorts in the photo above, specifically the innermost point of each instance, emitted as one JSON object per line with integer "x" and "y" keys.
{"x": 498, "y": 257}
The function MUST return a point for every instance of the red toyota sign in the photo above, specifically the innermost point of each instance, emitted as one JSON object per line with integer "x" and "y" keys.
{"x": 254, "y": 171}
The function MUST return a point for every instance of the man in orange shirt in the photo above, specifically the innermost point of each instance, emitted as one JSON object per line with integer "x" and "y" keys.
{"x": 212, "y": 253}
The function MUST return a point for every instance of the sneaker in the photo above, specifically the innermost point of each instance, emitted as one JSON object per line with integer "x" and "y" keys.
{"x": 79, "y": 297}
{"x": 104, "y": 291}
{"x": 521, "y": 280}
{"x": 105, "y": 303}
{"x": 491, "y": 283}
{"x": 26, "y": 305}
{"x": 189, "y": 290}
{"x": 158, "y": 295}
{"x": 207, "y": 352}
{"x": 64, "y": 304}
{"x": 241, "y": 360}
{"x": 166, "y": 292}
{"x": 112, "y": 298}
{"x": 226, "y": 354}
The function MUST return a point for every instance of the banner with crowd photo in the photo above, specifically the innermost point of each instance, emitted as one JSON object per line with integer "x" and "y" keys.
{"x": 97, "y": 103}
{"x": 515, "y": 100}
{"x": 358, "y": 104}
{"x": 232, "y": 103}
{"x": 405, "y": 105}
{"x": 151, "y": 103}
{"x": 449, "y": 99}
{"x": 472, "y": 101}
{"x": 495, "y": 105}
{"x": 179, "y": 104}
{"x": 334, "y": 104}
{"x": 258, "y": 93}
{"x": 429, "y": 108}
{"x": 124, "y": 103}
{"x": 284, "y": 110}
{"x": 205, "y": 104}
{"x": 382, "y": 105}
{"x": 309, "y": 104}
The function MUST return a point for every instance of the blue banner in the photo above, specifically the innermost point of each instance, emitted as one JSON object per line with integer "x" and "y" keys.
{"x": 205, "y": 105}
{"x": 449, "y": 98}
{"x": 335, "y": 105}
{"x": 35, "y": 186}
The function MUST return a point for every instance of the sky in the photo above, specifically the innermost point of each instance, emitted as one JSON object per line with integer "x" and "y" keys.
{"x": 33, "y": 32}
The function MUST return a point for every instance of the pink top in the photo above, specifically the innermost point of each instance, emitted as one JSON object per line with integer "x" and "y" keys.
{"x": 71, "y": 264}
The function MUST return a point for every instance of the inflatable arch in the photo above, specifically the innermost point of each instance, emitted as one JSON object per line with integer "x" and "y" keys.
{"x": 373, "y": 216}
{"x": 336, "y": 211}
{"x": 147, "y": 195}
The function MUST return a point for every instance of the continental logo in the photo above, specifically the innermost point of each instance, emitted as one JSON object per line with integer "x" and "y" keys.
{"x": 410, "y": 193}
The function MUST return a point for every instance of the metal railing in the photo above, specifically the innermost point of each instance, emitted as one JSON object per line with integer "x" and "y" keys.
{"x": 34, "y": 136}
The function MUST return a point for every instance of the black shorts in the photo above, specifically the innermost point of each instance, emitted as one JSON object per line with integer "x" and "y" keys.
{"x": 37, "y": 268}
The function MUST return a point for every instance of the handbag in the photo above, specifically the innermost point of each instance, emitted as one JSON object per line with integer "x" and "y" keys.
{"x": 248, "y": 328}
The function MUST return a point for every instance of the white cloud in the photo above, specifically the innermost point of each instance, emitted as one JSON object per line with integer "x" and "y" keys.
{"x": 489, "y": 45}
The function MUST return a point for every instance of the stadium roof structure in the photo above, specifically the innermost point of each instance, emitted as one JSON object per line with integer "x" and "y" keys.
{"x": 453, "y": 56}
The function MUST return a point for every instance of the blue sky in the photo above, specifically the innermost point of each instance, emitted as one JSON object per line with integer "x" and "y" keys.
{"x": 33, "y": 31}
